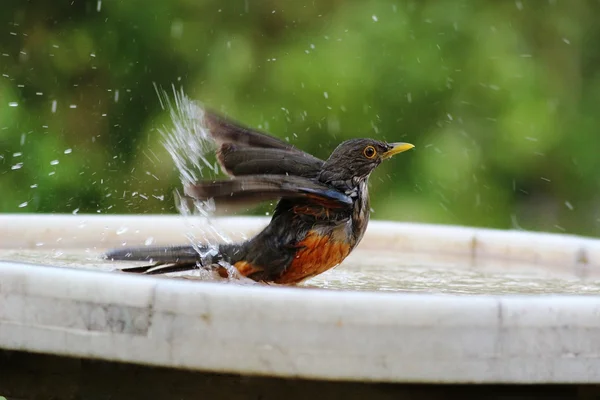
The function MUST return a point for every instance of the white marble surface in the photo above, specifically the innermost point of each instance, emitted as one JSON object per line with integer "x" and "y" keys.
{"x": 316, "y": 333}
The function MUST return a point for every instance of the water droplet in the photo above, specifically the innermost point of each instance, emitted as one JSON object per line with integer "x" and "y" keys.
{"x": 569, "y": 205}
{"x": 122, "y": 230}
{"x": 374, "y": 18}
{"x": 75, "y": 211}
{"x": 68, "y": 151}
{"x": 73, "y": 106}
{"x": 54, "y": 162}
{"x": 13, "y": 104}
{"x": 54, "y": 104}
{"x": 149, "y": 241}
{"x": 17, "y": 166}
{"x": 326, "y": 95}
{"x": 23, "y": 204}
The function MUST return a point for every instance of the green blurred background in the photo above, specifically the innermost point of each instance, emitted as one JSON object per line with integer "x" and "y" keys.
{"x": 500, "y": 98}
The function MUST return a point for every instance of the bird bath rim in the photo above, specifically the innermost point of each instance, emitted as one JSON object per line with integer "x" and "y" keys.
{"x": 296, "y": 332}
{"x": 570, "y": 255}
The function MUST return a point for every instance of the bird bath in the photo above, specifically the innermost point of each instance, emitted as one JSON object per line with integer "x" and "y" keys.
{"x": 414, "y": 303}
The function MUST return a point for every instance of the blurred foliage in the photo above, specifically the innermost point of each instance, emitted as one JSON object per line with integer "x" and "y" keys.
{"x": 500, "y": 98}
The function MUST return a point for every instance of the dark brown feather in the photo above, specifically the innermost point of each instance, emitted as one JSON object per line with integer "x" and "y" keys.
{"x": 256, "y": 188}
{"x": 237, "y": 161}
{"x": 155, "y": 254}
{"x": 224, "y": 130}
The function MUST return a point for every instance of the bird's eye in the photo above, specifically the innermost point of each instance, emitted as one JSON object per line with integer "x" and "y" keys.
{"x": 370, "y": 152}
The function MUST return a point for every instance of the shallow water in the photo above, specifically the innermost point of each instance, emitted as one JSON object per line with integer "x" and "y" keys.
{"x": 361, "y": 273}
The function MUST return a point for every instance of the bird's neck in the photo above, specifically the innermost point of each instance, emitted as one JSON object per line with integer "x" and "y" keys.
{"x": 357, "y": 189}
{"x": 361, "y": 210}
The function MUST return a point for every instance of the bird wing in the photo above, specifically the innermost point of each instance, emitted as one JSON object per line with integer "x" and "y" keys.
{"x": 238, "y": 161}
{"x": 245, "y": 151}
{"x": 257, "y": 188}
{"x": 224, "y": 130}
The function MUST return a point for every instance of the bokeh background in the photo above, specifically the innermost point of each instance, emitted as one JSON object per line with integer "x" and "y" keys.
{"x": 501, "y": 99}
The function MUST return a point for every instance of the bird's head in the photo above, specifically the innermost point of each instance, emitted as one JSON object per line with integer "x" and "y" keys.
{"x": 357, "y": 158}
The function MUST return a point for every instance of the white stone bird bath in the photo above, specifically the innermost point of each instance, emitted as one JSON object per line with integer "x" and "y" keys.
{"x": 413, "y": 304}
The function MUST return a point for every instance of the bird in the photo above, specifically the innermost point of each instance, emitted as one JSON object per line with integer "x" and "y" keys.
{"x": 321, "y": 214}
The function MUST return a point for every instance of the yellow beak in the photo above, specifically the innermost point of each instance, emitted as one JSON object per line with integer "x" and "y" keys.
{"x": 397, "y": 148}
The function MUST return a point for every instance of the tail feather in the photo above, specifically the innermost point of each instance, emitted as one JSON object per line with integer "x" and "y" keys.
{"x": 157, "y": 269}
{"x": 169, "y": 259}
{"x": 170, "y": 254}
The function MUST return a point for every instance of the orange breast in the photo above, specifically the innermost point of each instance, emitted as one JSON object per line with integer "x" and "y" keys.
{"x": 316, "y": 255}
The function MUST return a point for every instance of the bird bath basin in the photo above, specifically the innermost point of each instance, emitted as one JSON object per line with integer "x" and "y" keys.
{"x": 395, "y": 257}
{"x": 414, "y": 303}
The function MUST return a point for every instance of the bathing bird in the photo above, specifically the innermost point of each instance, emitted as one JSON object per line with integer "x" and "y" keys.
{"x": 321, "y": 214}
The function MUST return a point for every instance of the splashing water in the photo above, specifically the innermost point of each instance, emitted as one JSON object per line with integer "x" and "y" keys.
{"x": 188, "y": 142}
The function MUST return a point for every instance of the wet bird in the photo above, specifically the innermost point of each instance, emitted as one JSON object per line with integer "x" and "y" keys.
{"x": 321, "y": 215}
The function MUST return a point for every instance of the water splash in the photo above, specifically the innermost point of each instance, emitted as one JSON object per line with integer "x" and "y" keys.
{"x": 189, "y": 142}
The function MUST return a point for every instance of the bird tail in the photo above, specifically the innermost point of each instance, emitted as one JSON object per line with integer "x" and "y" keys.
{"x": 166, "y": 259}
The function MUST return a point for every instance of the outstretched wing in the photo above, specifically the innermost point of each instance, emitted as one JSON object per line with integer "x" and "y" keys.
{"x": 224, "y": 130}
{"x": 257, "y": 188}
{"x": 238, "y": 161}
{"x": 244, "y": 151}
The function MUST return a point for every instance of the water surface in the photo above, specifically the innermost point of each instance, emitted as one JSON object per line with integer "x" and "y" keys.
{"x": 364, "y": 271}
